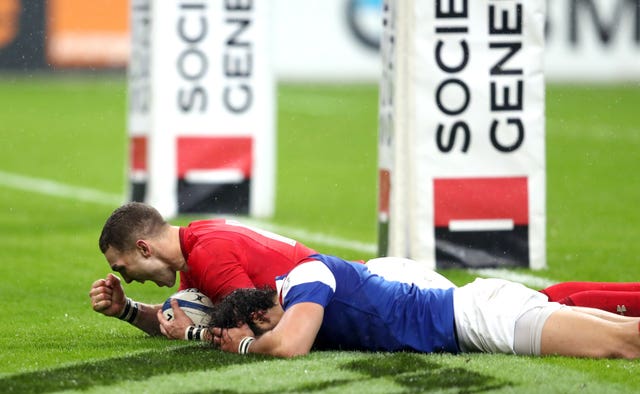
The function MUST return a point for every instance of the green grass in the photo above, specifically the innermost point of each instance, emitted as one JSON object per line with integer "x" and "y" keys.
{"x": 73, "y": 131}
{"x": 593, "y": 142}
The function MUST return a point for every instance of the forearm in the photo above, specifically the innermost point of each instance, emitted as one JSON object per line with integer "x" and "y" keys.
{"x": 275, "y": 345}
{"x": 142, "y": 316}
{"x": 293, "y": 335}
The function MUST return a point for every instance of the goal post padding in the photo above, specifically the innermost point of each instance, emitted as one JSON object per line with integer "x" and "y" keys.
{"x": 462, "y": 143}
{"x": 201, "y": 107}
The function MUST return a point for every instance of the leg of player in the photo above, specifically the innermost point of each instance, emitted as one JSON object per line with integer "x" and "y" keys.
{"x": 563, "y": 290}
{"x": 571, "y": 332}
{"x": 626, "y": 303}
{"x": 613, "y": 317}
{"x": 498, "y": 316}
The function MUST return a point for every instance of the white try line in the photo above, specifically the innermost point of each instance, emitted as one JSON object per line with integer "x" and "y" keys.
{"x": 53, "y": 188}
{"x": 535, "y": 282}
{"x": 319, "y": 238}
{"x": 57, "y": 189}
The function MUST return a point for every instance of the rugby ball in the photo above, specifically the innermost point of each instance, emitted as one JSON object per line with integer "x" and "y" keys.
{"x": 194, "y": 304}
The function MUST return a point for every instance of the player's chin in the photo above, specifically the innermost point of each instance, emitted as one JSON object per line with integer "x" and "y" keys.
{"x": 165, "y": 284}
{"x": 166, "y": 281}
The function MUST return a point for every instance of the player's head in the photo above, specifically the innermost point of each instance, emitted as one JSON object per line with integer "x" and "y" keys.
{"x": 251, "y": 306}
{"x": 129, "y": 223}
{"x": 125, "y": 242}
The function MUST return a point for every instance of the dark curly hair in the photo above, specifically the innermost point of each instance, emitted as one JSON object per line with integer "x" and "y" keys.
{"x": 237, "y": 307}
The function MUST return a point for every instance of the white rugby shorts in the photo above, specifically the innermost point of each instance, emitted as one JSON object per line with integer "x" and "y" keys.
{"x": 486, "y": 312}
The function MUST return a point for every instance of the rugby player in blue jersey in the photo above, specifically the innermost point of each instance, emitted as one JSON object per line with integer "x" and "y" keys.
{"x": 329, "y": 303}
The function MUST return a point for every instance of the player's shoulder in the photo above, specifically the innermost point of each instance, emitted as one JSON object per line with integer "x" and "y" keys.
{"x": 327, "y": 259}
{"x": 308, "y": 267}
{"x": 205, "y": 225}
{"x": 325, "y": 268}
{"x": 199, "y": 229}
{"x": 306, "y": 282}
{"x": 211, "y": 230}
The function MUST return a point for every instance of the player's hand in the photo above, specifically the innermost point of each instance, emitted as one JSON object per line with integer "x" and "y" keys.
{"x": 107, "y": 296}
{"x": 228, "y": 339}
{"x": 176, "y": 327}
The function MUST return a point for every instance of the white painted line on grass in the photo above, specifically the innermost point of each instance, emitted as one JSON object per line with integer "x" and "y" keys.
{"x": 57, "y": 189}
{"x": 533, "y": 281}
{"x": 319, "y": 238}
{"x": 53, "y": 188}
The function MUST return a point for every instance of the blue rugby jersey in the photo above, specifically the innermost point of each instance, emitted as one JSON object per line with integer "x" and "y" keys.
{"x": 362, "y": 311}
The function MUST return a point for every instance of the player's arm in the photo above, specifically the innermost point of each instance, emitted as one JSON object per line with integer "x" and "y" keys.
{"x": 294, "y": 334}
{"x": 146, "y": 318}
{"x": 107, "y": 297}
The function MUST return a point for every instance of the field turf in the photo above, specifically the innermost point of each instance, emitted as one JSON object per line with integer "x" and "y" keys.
{"x": 62, "y": 169}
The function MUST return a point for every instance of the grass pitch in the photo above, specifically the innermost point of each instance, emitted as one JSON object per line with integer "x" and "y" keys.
{"x": 72, "y": 132}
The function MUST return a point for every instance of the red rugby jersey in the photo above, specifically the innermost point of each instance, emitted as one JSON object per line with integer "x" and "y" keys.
{"x": 224, "y": 255}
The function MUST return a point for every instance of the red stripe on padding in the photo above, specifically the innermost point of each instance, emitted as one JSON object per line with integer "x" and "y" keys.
{"x": 481, "y": 198}
{"x": 384, "y": 185}
{"x": 138, "y": 153}
{"x": 215, "y": 153}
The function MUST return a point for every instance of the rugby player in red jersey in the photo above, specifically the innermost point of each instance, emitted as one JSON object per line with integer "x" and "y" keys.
{"x": 214, "y": 256}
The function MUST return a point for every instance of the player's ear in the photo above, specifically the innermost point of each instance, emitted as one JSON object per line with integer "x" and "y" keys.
{"x": 143, "y": 247}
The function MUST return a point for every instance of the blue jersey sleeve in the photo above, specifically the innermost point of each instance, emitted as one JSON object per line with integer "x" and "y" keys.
{"x": 308, "y": 282}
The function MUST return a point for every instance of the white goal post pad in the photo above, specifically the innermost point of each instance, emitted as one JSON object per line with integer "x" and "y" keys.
{"x": 202, "y": 107}
{"x": 465, "y": 146}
